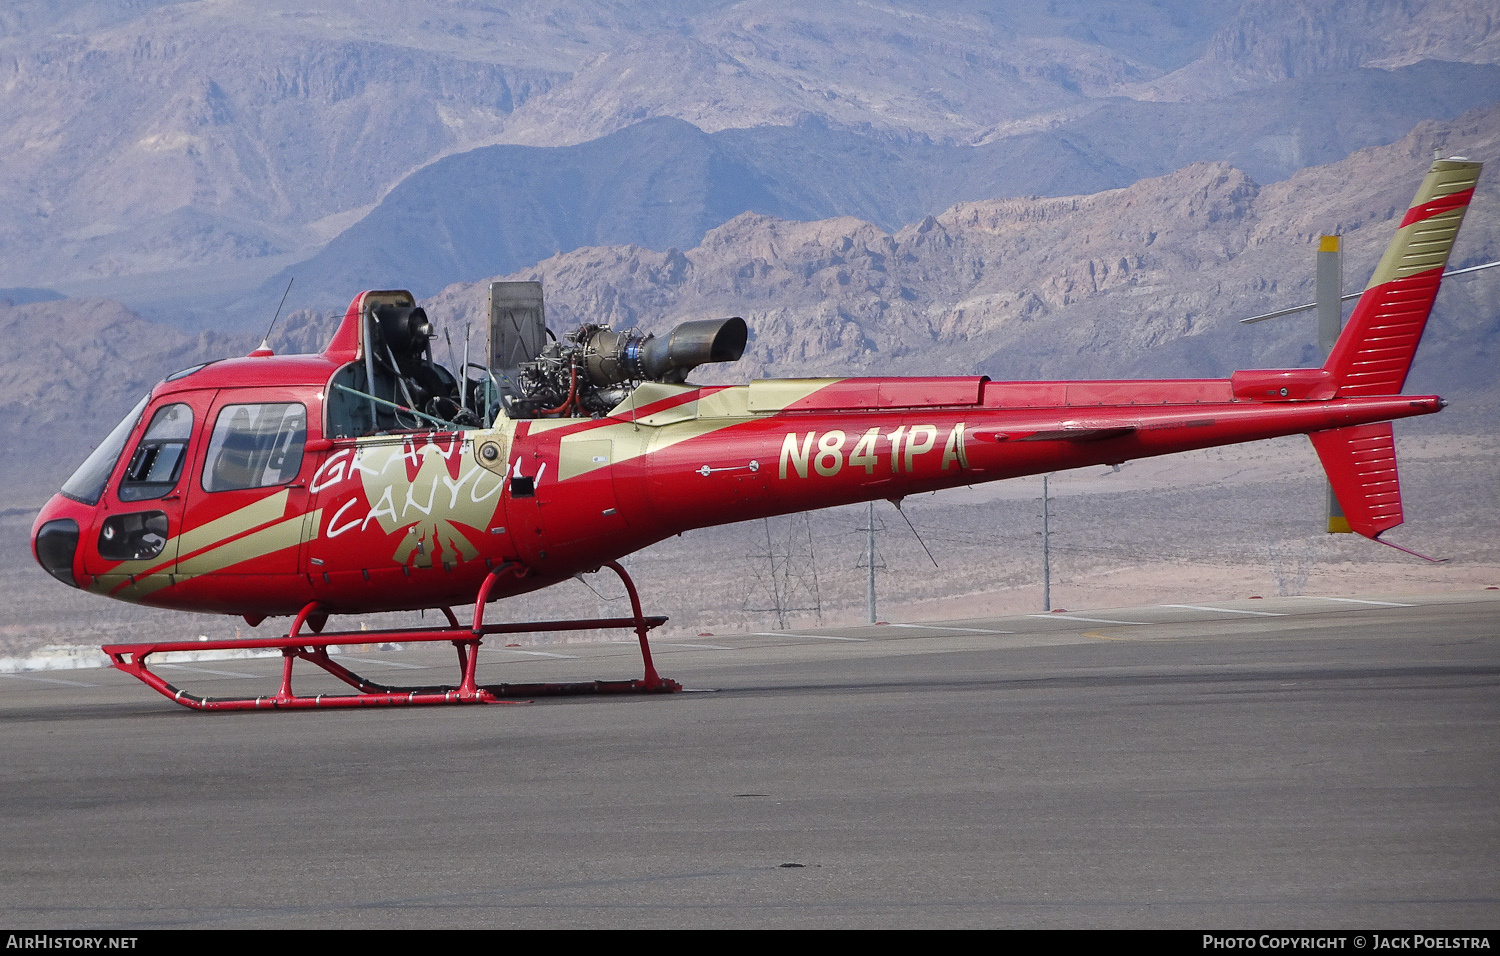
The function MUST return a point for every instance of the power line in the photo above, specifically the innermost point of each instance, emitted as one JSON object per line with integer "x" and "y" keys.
{"x": 786, "y": 576}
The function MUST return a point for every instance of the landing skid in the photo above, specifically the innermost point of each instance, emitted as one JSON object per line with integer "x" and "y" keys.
{"x": 131, "y": 658}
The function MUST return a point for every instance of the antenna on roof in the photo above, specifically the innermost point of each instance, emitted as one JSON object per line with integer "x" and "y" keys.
{"x": 265, "y": 343}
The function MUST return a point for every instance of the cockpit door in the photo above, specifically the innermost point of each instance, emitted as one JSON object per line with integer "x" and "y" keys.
{"x": 137, "y": 526}
{"x": 248, "y": 498}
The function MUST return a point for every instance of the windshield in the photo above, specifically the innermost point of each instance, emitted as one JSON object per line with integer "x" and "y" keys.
{"x": 87, "y": 483}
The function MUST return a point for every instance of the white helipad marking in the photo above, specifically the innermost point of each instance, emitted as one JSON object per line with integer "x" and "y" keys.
{"x": 1225, "y": 610}
{"x": 566, "y": 657}
{"x": 50, "y": 680}
{"x": 205, "y": 670}
{"x": 1091, "y": 620}
{"x": 1313, "y": 597}
{"x": 966, "y": 630}
{"x": 811, "y": 637}
{"x": 371, "y": 660}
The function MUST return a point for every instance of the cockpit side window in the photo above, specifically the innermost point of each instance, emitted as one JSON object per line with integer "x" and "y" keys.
{"x": 157, "y": 462}
{"x": 350, "y": 414}
{"x": 88, "y": 482}
{"x": 255, "y": 446}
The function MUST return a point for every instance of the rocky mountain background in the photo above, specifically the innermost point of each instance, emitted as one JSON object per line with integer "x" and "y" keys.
{"x": 663, "y": 183}
{"x": 175, "y": 155}
{"x": 1061, "y": 191}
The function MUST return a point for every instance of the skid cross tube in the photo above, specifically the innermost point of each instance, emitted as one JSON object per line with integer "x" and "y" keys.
{"x": 294, "y": 646}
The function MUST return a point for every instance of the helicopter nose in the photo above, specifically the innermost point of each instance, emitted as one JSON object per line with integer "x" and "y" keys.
{"x": 54, "y": 542}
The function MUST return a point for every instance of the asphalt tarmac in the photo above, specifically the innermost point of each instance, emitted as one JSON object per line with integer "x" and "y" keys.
{"x": 1277, "y": 764}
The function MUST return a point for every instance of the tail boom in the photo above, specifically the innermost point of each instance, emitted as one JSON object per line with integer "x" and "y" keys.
{"x": 824, "y": 458}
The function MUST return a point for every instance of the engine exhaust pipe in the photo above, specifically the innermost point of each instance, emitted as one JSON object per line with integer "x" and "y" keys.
{"x": 617, "y": 357}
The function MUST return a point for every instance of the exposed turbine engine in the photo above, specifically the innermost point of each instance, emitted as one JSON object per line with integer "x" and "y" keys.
{"x": 594, "y": 368}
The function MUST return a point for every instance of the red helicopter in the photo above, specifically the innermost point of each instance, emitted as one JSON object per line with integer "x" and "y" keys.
{"x": 370, "y": 478}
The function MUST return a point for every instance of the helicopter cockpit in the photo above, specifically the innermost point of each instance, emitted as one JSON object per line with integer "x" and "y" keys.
{"x": 395, "y": 384}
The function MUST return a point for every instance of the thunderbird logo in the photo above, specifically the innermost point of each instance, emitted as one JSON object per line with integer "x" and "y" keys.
{"x": 434, "y": 494}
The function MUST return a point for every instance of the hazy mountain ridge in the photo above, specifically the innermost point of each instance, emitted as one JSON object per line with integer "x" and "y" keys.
{"x": 1266, "y": 41}
{"x": 138, "y": 137}
{"x": 148, "y": 145}
{"x": 942, "y": 76}
{"x": 659, "y": 183}
{"x": 663, "y": 183}
{"x": 952, "y": 71}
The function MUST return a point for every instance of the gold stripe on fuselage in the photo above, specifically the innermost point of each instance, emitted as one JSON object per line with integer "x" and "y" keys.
{"x": 692, "y": 419}
{"x": 231, "y": 525}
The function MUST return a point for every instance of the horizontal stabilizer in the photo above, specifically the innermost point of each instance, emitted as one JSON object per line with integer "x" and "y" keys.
{"x": 1361, "y": 465}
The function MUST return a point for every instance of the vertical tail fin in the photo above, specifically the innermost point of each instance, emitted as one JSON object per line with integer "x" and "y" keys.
{"x": 1375, "y": 351}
